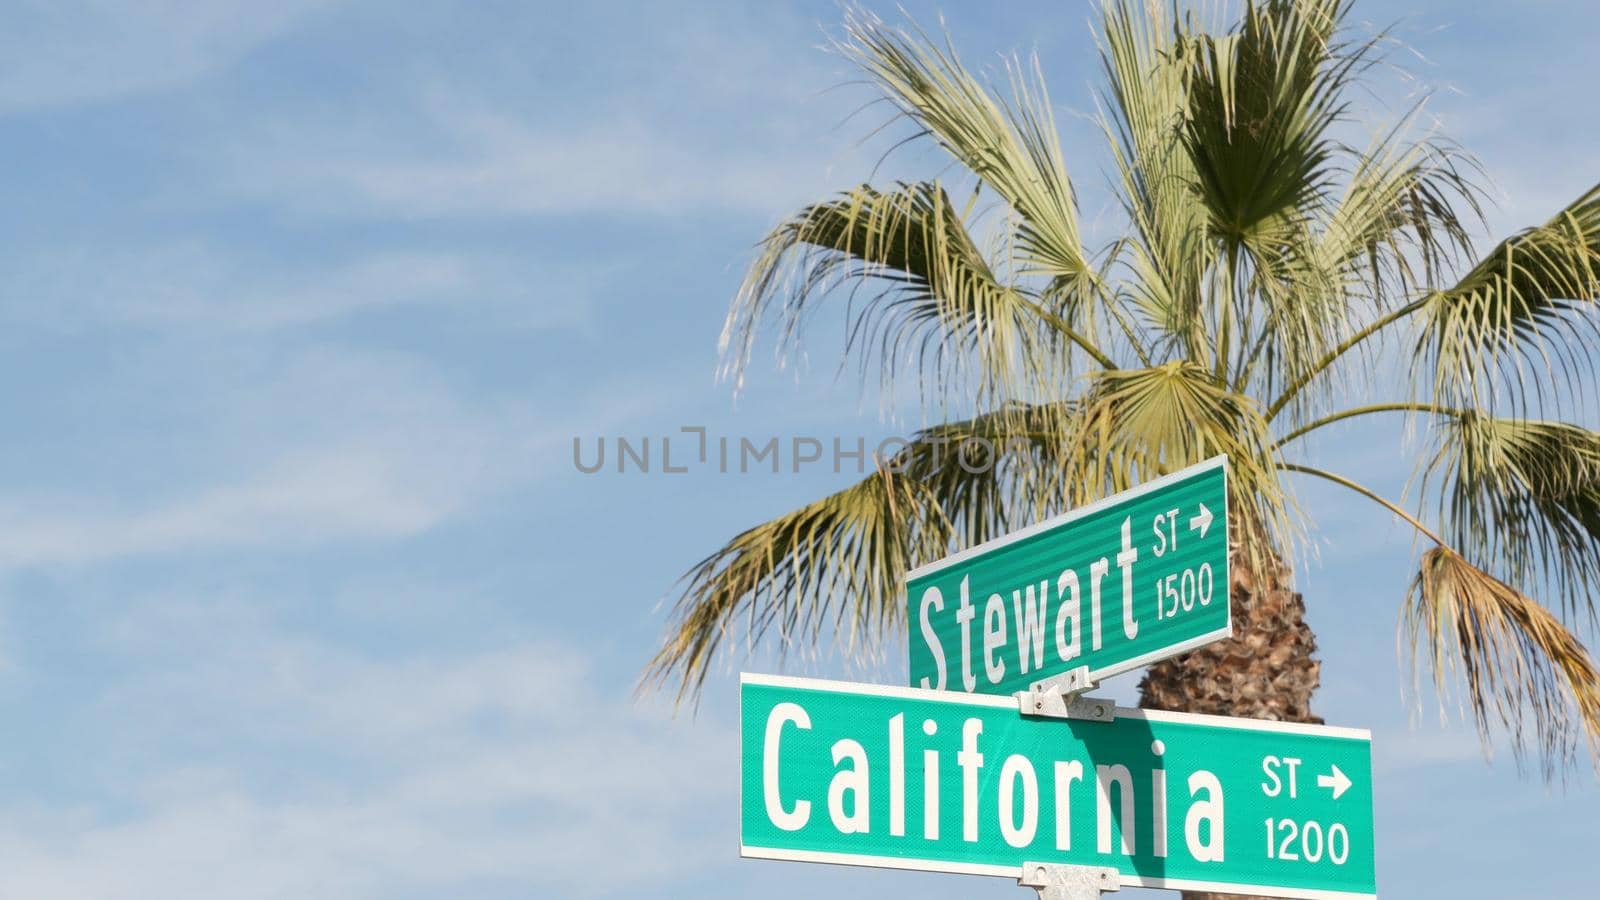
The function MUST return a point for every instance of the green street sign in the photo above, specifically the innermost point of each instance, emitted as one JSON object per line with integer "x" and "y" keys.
{"x": 1113, "y": 586}
{"x": 948, "y": 782}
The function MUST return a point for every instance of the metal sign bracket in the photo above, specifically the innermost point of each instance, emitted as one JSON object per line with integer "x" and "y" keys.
{"x": 1061, "y": 697}
{"x": 1058, "y": 882}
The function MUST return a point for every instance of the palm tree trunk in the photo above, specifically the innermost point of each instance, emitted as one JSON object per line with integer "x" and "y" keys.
{"x": 1265, "y": 671}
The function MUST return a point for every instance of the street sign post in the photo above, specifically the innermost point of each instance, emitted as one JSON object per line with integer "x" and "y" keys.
{"x": 944, "y": 781}
{"x": 1116, "y": 585}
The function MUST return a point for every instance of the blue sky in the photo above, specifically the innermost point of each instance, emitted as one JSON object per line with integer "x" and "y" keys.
{"x": 301, "y": 594}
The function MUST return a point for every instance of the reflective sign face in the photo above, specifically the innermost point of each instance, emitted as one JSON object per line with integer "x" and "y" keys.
{"x": 1135, "y": 578}
{"x": 949, "y": 782}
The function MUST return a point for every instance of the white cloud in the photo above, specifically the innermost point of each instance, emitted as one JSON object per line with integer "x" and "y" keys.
{"x": 338, "y": 461}
{"x": 72, "y": 51}
{"x": 724, "y": 112}
{"x": 194, "y": 285}
{"x": 412, "y": 775}
{"x": 325, "y": 443}
{"x": 339, "y": 492}
{"x": 499, "y": 165}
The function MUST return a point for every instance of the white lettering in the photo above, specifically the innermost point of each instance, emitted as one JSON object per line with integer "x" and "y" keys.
{"x": 1097, "y": 570}
{"x": 1031, "y": 616}
{"x": 855, "y": 781}
{"x": 1068, "y": 650}
{"x": 1066, "y": 774}
{"x": 930, "y": 785}
{"x": 897, "y": 775}
{"x": 1158, "y": 804}
{"x": 781, "y": 715}
{"x": 1017, "y": 768}
{"x": 964, "y": 614}
{"x": 1125, "y": 561}
{"x": 1206, "y": 812}
{"x": 932, "y": 599}
{"x": 1274, "y": 786}
{"x": 994, "y": 637}
{"x": 1105, "y": 778}
{"x": 970, "y": 761}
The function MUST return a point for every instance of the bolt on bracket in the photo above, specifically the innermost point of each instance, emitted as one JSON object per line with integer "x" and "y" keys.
{"x": 1058, "y": 882}
{"x": 1061, "y": 697}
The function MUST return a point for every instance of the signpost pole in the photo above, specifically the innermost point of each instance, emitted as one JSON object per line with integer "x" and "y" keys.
{"x": 1057, "y": 882}
{"x": 1062, "y": 697}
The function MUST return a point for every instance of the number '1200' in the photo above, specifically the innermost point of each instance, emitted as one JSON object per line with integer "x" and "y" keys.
{"x": 1281, "y": 843}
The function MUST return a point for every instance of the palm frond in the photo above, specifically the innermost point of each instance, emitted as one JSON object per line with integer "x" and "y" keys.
{"x": 1526, "y": 494}
{"x": 1522, "y": 669}
{"x": 932, "y": 298}
{"x": 1143, "y": 110}
{"x": 834, "y": 562}
{"x": 839, "y": 562}
{"x": 1523, "y": 317}
{"x": 1400, "y": 219}
{"x": 1143, "y": 423}
{"x": 1011, "y": 144}
{"x": 1261, "y": 104}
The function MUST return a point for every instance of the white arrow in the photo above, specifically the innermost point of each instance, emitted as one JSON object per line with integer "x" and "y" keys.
{"x": 1337, "y": 780}
{"x": 1202, "y": 521}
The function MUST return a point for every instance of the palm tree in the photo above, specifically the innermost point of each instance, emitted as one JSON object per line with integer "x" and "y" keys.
{"x": 1270, "y": 274}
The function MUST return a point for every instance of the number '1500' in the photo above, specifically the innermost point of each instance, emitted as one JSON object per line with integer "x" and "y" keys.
{"x": 1180, "y": 591}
